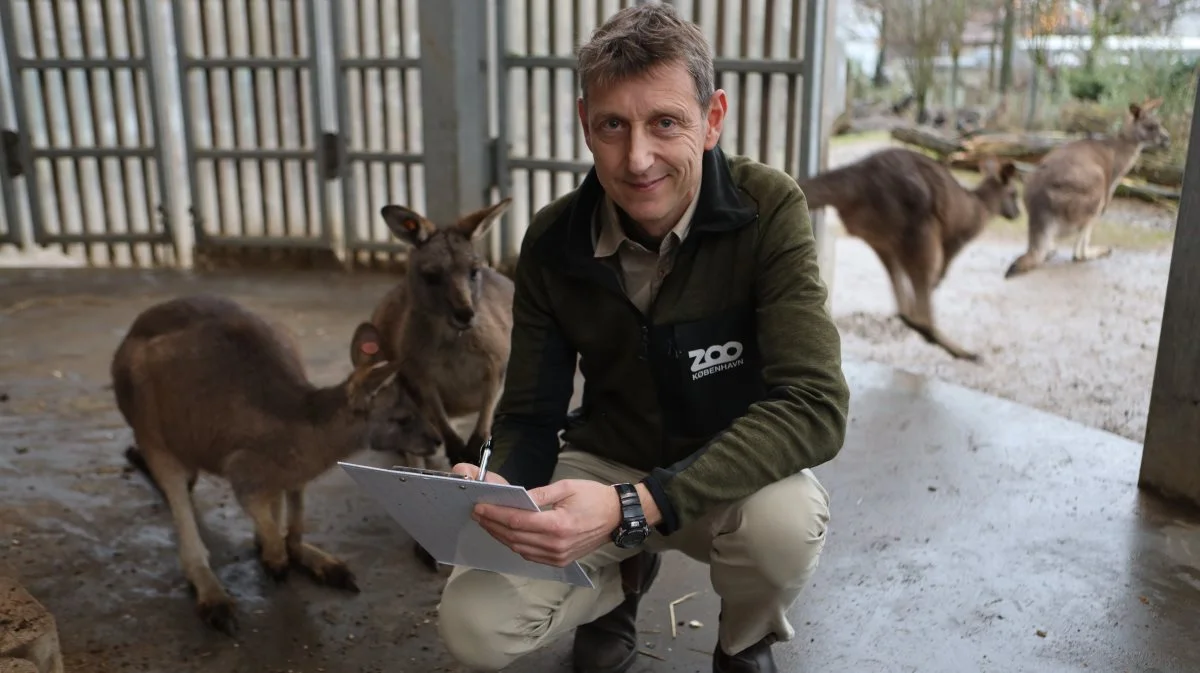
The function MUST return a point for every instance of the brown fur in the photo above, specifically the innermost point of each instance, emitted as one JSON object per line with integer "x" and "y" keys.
{"x": 448, "y": 323}
{"x": 208, "y": 386}
{"x": 916, "y": 217}
{"x": 1074, "y": 183}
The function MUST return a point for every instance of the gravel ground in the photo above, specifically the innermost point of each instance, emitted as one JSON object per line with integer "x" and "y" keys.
{"x": 1075, "y": 340}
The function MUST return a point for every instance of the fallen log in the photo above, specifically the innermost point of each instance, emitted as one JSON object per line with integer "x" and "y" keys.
{"x": 1027, "y": 148}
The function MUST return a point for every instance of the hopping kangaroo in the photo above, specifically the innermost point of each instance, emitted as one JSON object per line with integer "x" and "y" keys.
{"x": 1074, "y": 183}
{"x": 208, "y": 386}
{"x": 448, "y": 322}
{"x": 916, "y": 217}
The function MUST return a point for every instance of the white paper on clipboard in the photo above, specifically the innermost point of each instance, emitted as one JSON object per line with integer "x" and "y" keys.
{"x": 434, "y": 508}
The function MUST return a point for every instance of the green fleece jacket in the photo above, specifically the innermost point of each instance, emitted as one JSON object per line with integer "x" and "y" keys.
{"x": 731, "y": 381}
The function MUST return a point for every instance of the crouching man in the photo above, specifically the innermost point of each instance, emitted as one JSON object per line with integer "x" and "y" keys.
{"x": 687, "y": 281}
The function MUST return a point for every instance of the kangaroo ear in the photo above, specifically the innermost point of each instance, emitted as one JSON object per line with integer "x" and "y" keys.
{"x": 407, "y": 224}
{"x": 1151, "y": 105}
{"x": 366, "y": 348}
{"x": 988, "y": 165}
{"x": 475, "y": 225}
{"x": 1007, "y": 170}
{"x": 1135, "y": 110}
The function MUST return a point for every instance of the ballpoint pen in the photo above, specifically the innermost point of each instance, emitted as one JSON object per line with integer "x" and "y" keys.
{"x": 484, "y": 454}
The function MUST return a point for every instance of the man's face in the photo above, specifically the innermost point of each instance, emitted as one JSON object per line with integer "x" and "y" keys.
{"x": 648, "y": 136}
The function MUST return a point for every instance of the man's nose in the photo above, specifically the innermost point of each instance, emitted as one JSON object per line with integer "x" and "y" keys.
{"x": 641, "y": 152}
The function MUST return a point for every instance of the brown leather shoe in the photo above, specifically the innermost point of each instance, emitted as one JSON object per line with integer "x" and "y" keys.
{"x": 754, "y": 659}
{"x": 609, "y": 644}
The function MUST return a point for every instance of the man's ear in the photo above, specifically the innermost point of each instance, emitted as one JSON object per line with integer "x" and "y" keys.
{"x": 407, "y": 225}
{"x": 718, "y": 106}
{"x": 366, "y": 348}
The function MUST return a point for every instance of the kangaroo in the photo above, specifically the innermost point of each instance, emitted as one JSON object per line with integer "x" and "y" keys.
{"x": 208, "y": 386}
{"x": 448, "y": 323}
{"x": 1074, "y": 183}
{"x": 916, "y": 217}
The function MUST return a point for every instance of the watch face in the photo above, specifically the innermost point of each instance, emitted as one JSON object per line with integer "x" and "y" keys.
{"x": 631, "y": 538}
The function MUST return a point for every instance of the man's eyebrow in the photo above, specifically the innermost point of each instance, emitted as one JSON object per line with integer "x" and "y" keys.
{"x": 601, "y": 114}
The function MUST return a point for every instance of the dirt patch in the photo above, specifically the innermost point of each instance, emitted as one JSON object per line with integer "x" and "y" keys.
{"x": 1077, "y": 340}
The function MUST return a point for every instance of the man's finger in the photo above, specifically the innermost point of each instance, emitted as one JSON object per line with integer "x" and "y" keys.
{"x": 519, "y": 519}
{"x": 548, "y": 495}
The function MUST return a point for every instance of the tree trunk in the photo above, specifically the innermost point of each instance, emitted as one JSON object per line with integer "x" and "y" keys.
{"x": 1006, "y": 57}
{"x": 880, "y": 79}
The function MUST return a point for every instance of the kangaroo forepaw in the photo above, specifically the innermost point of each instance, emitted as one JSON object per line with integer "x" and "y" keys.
{"x": 474, "y": 445}
{"x": 220, "y": 615}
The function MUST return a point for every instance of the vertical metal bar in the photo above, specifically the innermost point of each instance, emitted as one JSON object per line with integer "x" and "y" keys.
{"x": 384, "y": 99}
{"x": 349, "y": 176}
{"x": 742, "y": 77}
{"x": 93, "y": 106}
{"x": 283, "y": 165}
{"x": 214, "y": 120}
{"x": 128, "y": 196}
{"x": 235, "y": 120}
{"x": 364, "y": 111}
{"x": 260, "y": 165}
{"x": 792, "y": 85}
{"x": 410, "y": 183}
{"x": 189, "y": 139}
{"x": 308, "y": 137}
{"x": 454, "y": 77}
{"x": 768, "y": 83}
{"x": 552, "y": 76}
{"x": 318, "y": 120}
{"x": 508, "y": 235}
{"x": 814, "y": 67}
{"x": 25, "y": 137}
{"x": 531, "y": 28}
{"x": 60, "y": 49}
{"x": 12, "y": 233}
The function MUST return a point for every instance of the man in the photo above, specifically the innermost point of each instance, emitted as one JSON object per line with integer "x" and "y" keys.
{"x": 688, "y": 284}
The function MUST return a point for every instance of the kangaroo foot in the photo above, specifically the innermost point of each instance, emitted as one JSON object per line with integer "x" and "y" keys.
{"x": 274, "y": 562}
{"x": 323, "y": 567}
{"x": 425, "y": 557}
{"x": 219, "y": 614}
{"x": 1091, "y": 252}
{"x": 934, "y": 336}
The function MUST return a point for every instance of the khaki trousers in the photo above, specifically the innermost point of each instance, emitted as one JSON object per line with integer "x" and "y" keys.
{"x": 761, "y": 552}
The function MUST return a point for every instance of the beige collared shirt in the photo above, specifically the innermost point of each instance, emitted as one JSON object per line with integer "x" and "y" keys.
{"x": 641, "y": 270}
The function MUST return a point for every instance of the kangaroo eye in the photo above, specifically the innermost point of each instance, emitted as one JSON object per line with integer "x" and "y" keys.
{"x": 431, "y": 277}
{"x": 475, "y": 274}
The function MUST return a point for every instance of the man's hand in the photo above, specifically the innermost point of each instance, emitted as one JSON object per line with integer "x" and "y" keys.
{"x": 578, "y": 517}
{"x": 472, "y": 472}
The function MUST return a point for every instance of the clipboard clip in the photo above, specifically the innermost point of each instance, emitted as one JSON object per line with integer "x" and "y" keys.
{"x": 485, "y": 454}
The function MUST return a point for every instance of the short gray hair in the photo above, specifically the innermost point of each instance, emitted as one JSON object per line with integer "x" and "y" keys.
{"x": 640, "y": 38}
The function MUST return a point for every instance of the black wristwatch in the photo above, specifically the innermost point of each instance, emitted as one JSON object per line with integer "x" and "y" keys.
{"x": 633, "y": 529}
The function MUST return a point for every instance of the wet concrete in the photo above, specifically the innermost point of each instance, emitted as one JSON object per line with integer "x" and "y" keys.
{"x": 968, "y": 533}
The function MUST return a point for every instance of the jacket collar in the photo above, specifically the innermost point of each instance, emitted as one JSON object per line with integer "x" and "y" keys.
{"x": 568, "y": 242}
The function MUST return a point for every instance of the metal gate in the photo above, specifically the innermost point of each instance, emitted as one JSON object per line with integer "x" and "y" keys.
{"x": 253, "y": 127}
{"x": 87, "y": 139}
{"x": 295, "y": 121}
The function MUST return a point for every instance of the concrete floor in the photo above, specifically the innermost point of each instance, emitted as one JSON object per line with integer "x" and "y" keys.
{"x": 968, "y": 533}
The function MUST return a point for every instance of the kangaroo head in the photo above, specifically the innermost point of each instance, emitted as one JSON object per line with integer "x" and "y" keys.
{"x": 998, "y": 178}
{"x": 377, "y": 389}
{"x": 1142, "y": 125}
{"x": 443, "y": 264}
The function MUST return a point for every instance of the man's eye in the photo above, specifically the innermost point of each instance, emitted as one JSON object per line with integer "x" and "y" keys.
{"x": 666, "y": 123}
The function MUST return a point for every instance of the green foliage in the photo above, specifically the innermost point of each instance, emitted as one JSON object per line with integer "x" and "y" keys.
{"x": 1086, "y": 86}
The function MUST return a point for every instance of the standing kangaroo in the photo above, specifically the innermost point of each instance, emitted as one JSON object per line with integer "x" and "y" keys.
{"x": 1075, "y": 182}
{"x": 448, "y": 322}
{"x": 916, "y": 217}
{"x": 208, "y": 386}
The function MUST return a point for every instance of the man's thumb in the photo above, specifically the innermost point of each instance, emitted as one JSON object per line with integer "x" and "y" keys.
{"x": 550, "y": 494}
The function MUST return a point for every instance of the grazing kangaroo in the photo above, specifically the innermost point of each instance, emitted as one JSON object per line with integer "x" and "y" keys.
{"x": 916, "y": 217}
{"x": 448, "y": 322}
{"x": 1074, "y": 183}
{"x": 208, "y": 386}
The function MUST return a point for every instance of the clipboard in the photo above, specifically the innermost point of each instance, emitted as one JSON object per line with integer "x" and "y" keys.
{"x": 434, "y": 508}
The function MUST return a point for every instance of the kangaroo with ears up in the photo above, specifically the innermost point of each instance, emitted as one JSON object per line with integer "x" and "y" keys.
{"x": 1075, "y": 182}
{"x": 916, "y": 217}
{"x": 208, "y": 386}
{"x": 448, "y": 321}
